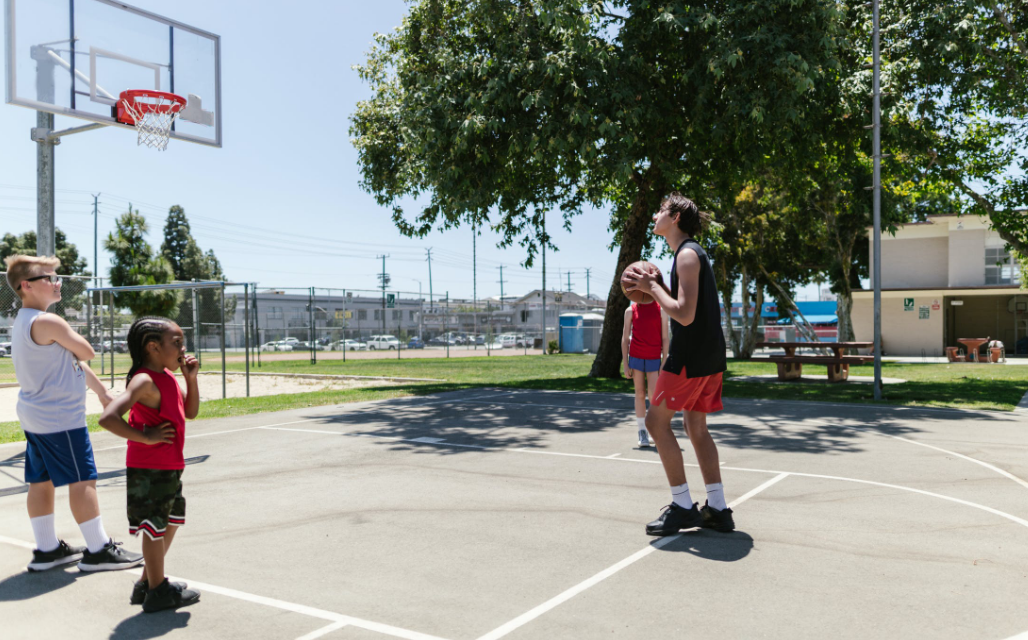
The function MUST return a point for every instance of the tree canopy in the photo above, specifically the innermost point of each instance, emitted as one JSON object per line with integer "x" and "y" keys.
{"x": 495, "y": 112}
{"x": 134, "y": 263}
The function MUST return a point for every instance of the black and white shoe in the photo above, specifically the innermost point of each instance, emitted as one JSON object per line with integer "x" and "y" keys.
{"x": 644, "y": 438}
{"x": 141, "y": 587}
{"x": 717, "y": 519}
{"x": 169, "y": 595}
{"x": 674, "y": 519}
{"x": 63, "y": 554}
{"x": 111, "y": 558}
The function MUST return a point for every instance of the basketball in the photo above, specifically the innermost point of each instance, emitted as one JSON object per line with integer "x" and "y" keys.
{"x": 639, "y": 296}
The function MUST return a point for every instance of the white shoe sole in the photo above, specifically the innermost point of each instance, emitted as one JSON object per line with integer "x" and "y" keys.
{"x": 110, "y": 566}
{"x": 43, "y": 566}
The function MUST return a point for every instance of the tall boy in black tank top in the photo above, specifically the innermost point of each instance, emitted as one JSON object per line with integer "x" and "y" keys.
{"x": 691, "y": 378}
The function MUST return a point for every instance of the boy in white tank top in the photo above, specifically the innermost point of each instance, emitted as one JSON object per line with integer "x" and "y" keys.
{"x": 49, "y": 362}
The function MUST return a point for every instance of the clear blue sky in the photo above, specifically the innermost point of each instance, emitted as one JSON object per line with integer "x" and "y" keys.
{"x": 287, "y": 167}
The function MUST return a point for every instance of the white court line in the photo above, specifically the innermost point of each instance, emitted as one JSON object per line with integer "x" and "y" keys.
{"x": 976, "y": 505}
{"x": 613, "y": 455}
{"x": 313, "y": 612}
{"x": 527, "y": 617}
{"x": 982, "y": 463}
{"x": 218, "y": 433}
{"x": 317, "y": 633}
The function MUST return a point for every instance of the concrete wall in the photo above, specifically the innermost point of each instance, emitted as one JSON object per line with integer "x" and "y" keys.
{"x": 914, "y": 262}
{"x": 903, "y": 334}
{"x": 966, "y": 258}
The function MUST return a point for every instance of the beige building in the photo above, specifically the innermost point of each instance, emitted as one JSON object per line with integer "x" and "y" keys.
{"x": 942, "y": 280}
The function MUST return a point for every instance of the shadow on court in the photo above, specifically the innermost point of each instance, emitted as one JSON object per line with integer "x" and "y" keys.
{"x": 709, "y": 545}
{"x": 150, "y": 625}
{"x": 25, "y": 585}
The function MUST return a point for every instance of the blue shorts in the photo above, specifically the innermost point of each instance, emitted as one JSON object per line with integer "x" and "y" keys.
{"x": 62, "y": 458}
{"x": 646, "y": 366}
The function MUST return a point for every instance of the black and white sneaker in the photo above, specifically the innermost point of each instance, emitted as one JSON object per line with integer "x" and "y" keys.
{"x": 644, "y": 438}
{"x": 169, "y": 595}
{"x": 63, "y": 554}
{"x": 674, "y": 519}
{"x": 141, "y": 587}
{"x": 111, "y": 558}
{"x": 717, "y": 519}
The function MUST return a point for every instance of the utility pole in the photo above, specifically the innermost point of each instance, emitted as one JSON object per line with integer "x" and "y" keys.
{"x": 544, "y": 282}
{"x": 96, "y": 226}
{"x": 384, "y": 277}
{"x": 501, "y": 287}
{"x": 474, "y": 284}
{"x": 876, "y": 124}
{"x": 429, "y": 252}
{"x": 588, "y": 294}
{"x": 569, "y": 282}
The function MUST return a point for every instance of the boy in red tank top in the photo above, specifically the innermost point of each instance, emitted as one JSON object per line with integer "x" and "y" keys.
{"x": 643, "y": 349}
{"x": 156, "y": 432}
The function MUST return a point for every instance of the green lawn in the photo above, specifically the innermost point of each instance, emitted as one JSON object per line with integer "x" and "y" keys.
{"x": 964, "y": 386}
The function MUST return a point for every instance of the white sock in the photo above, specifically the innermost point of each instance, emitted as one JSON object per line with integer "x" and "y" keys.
{"x": 46, "y": 535}
{"x": 716, "y": 496}
{"x": 680, "y": 496}
{"x": 93, "y": 532}
{"x": 641, "y": 422}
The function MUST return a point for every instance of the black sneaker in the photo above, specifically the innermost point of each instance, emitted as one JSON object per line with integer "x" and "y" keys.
{"x": 674, "y": 519}
{"x": 167, "y": 595}
{"x": 63, "y": 554}
{"x": 717, "y": 519}
{"x": 141, "y": 586}
{"x": 110, "y": 558}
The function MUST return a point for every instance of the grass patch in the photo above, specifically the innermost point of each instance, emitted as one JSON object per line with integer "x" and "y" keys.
{"x": 964, "y": 386}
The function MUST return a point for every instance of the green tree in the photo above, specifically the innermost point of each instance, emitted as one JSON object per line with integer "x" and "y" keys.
{"x": 72, "y": 264}
{"x": 959, "y": 72}
{"x": 497, "y": 112}
{"x": 189, "y": 262}
{"x": 133, "y": 263}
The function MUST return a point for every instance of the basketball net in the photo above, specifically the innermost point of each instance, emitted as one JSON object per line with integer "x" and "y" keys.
{"x": 154, "y": 116}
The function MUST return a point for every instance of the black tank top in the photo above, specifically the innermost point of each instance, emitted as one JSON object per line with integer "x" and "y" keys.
{"x": 700, "y": 346}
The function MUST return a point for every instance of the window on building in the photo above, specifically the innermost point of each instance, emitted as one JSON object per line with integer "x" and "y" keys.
{"x": 362, "y": 314}
{"x": 320, "y": 314}
{"x": 397, "y": 314}
{"x": 524, "y": 315}
{"x": 1000, "y": 267}
{"x": 412, "y": 317}
{"x": 378, "y": 314}
{"x": 299, "y": 313}
{"x": 275, "y": 313}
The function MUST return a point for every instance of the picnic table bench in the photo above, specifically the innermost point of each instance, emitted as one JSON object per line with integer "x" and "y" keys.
{"x": 790, "y": 365}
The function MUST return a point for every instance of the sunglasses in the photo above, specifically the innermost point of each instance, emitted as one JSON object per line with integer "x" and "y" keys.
{"x": 51, "y": 278}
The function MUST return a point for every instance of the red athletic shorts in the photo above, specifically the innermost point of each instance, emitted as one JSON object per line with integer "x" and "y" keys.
{"x": 688, "y": 394}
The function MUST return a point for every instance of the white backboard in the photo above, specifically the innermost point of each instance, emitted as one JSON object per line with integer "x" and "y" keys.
{"x": 74, "y": 58}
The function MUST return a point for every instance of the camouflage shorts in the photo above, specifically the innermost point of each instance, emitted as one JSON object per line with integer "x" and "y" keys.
{"x": 155, "y": 501}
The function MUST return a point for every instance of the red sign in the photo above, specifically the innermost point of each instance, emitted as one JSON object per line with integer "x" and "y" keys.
{"x": 935, "y": 305}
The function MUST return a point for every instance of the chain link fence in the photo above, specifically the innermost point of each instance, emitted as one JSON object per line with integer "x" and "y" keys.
{"x": 246, "y": 323}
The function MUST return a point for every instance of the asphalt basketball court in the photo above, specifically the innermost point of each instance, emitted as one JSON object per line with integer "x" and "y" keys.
{"x": 494, "y": 513}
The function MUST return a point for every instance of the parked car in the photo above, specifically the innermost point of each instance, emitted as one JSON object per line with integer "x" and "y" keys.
{"x": 279, "y": 345}
{"x": 416, "y": 343}
{"x": 441, "y": 341}
{"x": 383, "y": 342}
{"x": 512, "y": 340}
{"x": 5, "y": 349}
{"x": 119, "y": 346}
{"x": 290, "y": 340}
{"x": 307, "y": 346}
{"x": 350, "y": 345}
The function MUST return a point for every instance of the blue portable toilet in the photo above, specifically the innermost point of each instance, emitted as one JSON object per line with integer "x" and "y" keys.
{"x": 571, "y": 333}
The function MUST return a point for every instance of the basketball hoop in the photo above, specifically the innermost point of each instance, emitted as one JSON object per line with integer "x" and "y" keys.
{"x": 152, "y": 113}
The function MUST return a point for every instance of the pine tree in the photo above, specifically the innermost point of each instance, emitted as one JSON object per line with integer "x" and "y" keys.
{"x": 133, "y": 263}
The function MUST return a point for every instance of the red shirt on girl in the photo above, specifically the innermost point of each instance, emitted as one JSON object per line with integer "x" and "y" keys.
{"x": 164, "y": 455}
{"x": 647, "y": 342}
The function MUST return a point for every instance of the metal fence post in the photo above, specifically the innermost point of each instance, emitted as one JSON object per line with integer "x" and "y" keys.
{"x": 224, "y": 390}
{"x": 446, "y": 325}
{"x": 196, "y": 325}
{"x": 111, "y": 348}
{"x": 246, "y": 334}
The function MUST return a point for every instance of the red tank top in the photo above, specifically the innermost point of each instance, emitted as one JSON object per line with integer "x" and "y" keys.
{"x": 173, "y": 410}
{"x": 646, "y": 339}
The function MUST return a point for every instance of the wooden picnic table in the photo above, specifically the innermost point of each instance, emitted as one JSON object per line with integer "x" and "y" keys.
{"x": 790, "y": 365}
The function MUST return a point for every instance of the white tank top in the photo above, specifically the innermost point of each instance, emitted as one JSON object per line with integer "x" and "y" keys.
{"x": 53, "y": 387}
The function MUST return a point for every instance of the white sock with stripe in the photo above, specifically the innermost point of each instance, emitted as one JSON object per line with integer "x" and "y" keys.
{"x": 716, "y": 496}
{"x": 45, "y": 533}
{"x": 93, "y": 532}
{"x": 680, "y": 496}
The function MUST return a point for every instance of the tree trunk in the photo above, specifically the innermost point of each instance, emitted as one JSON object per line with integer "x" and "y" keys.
{"x": 733, "y": 339}
{"x": 749, "y": 339}
{"x": 608, "y": 357}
